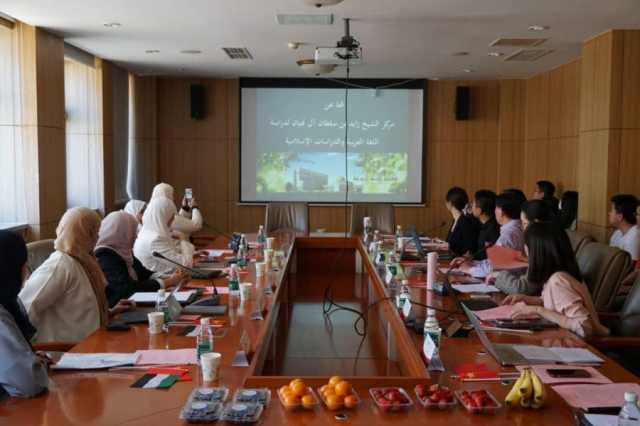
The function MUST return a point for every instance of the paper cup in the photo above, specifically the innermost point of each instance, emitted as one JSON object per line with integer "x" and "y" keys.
{"x": 210, "y": 362}
{"x": 268, "y": 256}
{"x": 270, "y": 242}
{"x": 260, "y": 268}
{"x": 156, "y": 321}
{"x": 245, "y": 291}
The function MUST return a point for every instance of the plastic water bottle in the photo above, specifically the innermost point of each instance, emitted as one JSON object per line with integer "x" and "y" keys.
{"x": 242, "y": 254}
{"x": 234, "y": 280}
{"x": 432, "y": 327}
{"x": 630, "y": 413}
{"x": 262, "y": 237}
{"x": 398, "y": 242}
{"x": 162, "y": 306}
{"x": 404, "y": 295}
{"x": 204, "y": 340}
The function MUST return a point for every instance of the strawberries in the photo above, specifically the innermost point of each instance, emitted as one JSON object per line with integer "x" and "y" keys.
{"x": 477, "y": 401}
{"x": 390, "y": 399}
{"x": 434, "y": 396}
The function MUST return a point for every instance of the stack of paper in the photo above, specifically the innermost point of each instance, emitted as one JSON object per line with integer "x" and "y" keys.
{"x": 475, "y": 288}
{"x": 557, "y": 355}
{"x": 151, "y": 297}
{"x": 167, "y": 357}
{"x": 76, "y": 361}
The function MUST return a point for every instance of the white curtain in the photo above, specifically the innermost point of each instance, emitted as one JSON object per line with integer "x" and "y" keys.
{"x": 85, "y": 174}
{"x": 120, "y": 133}
{"x": 12, "y": 183}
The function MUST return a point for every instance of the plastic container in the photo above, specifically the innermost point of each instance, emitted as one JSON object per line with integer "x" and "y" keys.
{"x": 300, "y": 406}
{"x": 340, "y": 406}
{"x": 391, "y": 407}
{"x": 237, "y": 412}
{"x": 253, "y": 396}
{"x": 201, "y": 412}
{"x": 209, "y": 394}
{"x": 480, "y": 410}
{"x": 427, "y": 403}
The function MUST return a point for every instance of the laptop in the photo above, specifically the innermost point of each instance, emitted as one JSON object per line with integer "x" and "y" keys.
{"x": 505, "y": 354}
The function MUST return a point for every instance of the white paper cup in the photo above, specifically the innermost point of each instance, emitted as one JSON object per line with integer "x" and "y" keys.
{"x": 156, "y": 321}
{"x": 210, "y": 362}
{"x": 245, "y": 291}
{"x": 261, "y": 267}
{"x": 270, "y": 242}
{"x": 268, "y": 256}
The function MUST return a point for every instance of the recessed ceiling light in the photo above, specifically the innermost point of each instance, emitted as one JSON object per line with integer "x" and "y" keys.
{"x": 467, "y": 70}
{"x": 152, "y": 51}
{"x": 191, "y": 52}
{"x": 113, "y": 25}
{"x": 460, "y": 53}
{"x": 495, "y": 54}
{"x": 538, "y": 27}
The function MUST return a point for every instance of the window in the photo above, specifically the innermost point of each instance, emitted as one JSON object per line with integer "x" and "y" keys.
{"x": 12, "y": 163}
{"x": 85, "y": 174}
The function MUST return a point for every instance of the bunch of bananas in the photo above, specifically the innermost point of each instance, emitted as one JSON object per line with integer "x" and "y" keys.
{"x": 528, "y": 391}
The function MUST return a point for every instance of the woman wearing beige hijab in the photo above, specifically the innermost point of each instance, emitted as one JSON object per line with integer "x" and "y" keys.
{"x": 188, "y": 220}
{"x": 65, "y": 297}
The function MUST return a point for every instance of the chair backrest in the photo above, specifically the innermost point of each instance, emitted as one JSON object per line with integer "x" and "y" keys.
{"x": 628, "y": 323}
{"x": 579, "y": 239}
{"x": 38, "y": 252}
{"x": 382, "y": 216}
{"x": 603, "y": 269}
{"x": 293, "y": 216}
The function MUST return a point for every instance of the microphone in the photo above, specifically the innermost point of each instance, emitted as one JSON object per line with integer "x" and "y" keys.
{"x": 195, "y": 273}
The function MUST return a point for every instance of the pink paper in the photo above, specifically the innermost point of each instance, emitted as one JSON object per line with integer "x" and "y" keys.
{"x": 167, "y": 357}
{"x": 500, "y": 312}
{"x": 221, "y": 290}
{"x": 541, "y": 372}
{"x": 596, "y": 396}
{"x": 504, "y": 258}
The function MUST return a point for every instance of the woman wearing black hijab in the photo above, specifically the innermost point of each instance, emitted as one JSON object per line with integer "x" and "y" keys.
{"x": 22, "y": 372}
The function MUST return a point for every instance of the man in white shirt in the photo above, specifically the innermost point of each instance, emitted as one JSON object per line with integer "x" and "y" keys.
{"x": 622, "y": 216}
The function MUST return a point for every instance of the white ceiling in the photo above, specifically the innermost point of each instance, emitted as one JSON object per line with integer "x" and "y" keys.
{"x": 401, "y": 38}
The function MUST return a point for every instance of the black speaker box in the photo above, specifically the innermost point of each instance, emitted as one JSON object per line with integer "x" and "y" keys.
{"x": 463, "y": 103}
{"x": 197, "y": 102}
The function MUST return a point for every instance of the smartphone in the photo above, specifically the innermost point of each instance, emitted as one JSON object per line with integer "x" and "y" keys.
{"x": 188, "y": 193}
{"x": 568, "y": 373}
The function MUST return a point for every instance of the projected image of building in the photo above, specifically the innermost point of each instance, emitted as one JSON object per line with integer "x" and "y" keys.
{"x": 308, "y": 180}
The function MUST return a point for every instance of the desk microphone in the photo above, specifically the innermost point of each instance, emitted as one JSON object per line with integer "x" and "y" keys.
{"x": 195, "y": 273}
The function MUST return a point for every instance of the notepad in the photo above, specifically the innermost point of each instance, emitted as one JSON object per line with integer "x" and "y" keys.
{"x": 76, "y": 361}
{"x": 151, "y": 297}
{"x": 596, "y": 396}
{"x": 167, "y": 357}
{"x": 557, "y": 355}
{"x": 475, "y": 288}
{"x": 505, "y": 258}
{"x": 500, "y": 312}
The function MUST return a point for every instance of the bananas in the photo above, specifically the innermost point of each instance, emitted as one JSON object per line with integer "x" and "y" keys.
{"x": 528, "y": 391}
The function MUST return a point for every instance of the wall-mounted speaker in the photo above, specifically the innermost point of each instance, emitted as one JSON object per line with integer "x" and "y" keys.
{"x": 463, "y": 103}
{"x": 197, "y": 102}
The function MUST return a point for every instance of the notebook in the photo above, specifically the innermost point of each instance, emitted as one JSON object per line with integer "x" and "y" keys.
{"x": 151, "y": 297}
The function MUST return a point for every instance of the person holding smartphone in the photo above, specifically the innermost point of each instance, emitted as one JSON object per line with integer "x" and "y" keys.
{"x": 189, "y": 219}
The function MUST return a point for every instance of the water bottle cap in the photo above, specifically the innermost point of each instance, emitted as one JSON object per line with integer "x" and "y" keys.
{"x": 630, "y": 397}
{"x": 204, "y": 321}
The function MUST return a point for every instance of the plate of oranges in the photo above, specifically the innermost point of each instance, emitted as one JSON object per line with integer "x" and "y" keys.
{"x": 338, "y": 394}
{"x": 297, "y": 395}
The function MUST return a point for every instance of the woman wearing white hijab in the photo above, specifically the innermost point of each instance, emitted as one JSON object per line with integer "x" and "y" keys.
{"x": 136, "y": 209}
{"x": 155, "y": 236}
{"x": 125, "y": 274}
{"x": 189, "y": 218}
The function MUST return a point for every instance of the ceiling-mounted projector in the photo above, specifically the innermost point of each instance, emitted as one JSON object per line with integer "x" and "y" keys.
{"x": 321, "y": 3}
{"x": 310, "y": 66}
{"x": 347, "y": 49}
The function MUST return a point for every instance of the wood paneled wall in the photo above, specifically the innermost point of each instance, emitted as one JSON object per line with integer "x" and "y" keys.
{"x": 143, "y": 136}
{"x": 551, "y": 128}
{"x": 484, "y": 152}
{"x": 609, "y": 145}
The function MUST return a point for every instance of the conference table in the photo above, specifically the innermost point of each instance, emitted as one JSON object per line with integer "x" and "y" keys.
{"x": 295, "y": 339}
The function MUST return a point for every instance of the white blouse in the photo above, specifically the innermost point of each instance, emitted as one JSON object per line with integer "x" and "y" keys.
{"x": 179, "y": 251}
{"x": 60, "y": 300}
{"x": 186, "y": 223}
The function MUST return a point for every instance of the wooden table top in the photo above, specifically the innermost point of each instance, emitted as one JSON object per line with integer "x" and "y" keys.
{"x": 106, "y": 398}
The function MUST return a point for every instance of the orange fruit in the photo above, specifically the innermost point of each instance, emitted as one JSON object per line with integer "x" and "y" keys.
{"x": 308, "y": 401}
{"x": 298, "y": 388}
{"x": 284, "y": 389}
{"x": 350, "y": 401}
{"x": 294, "y": 381}
{"x": 334, "y": 380}
{"x": 291, "y": 400}
{"x": 343, "y": 388}
{"x": 333, "y": 402}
